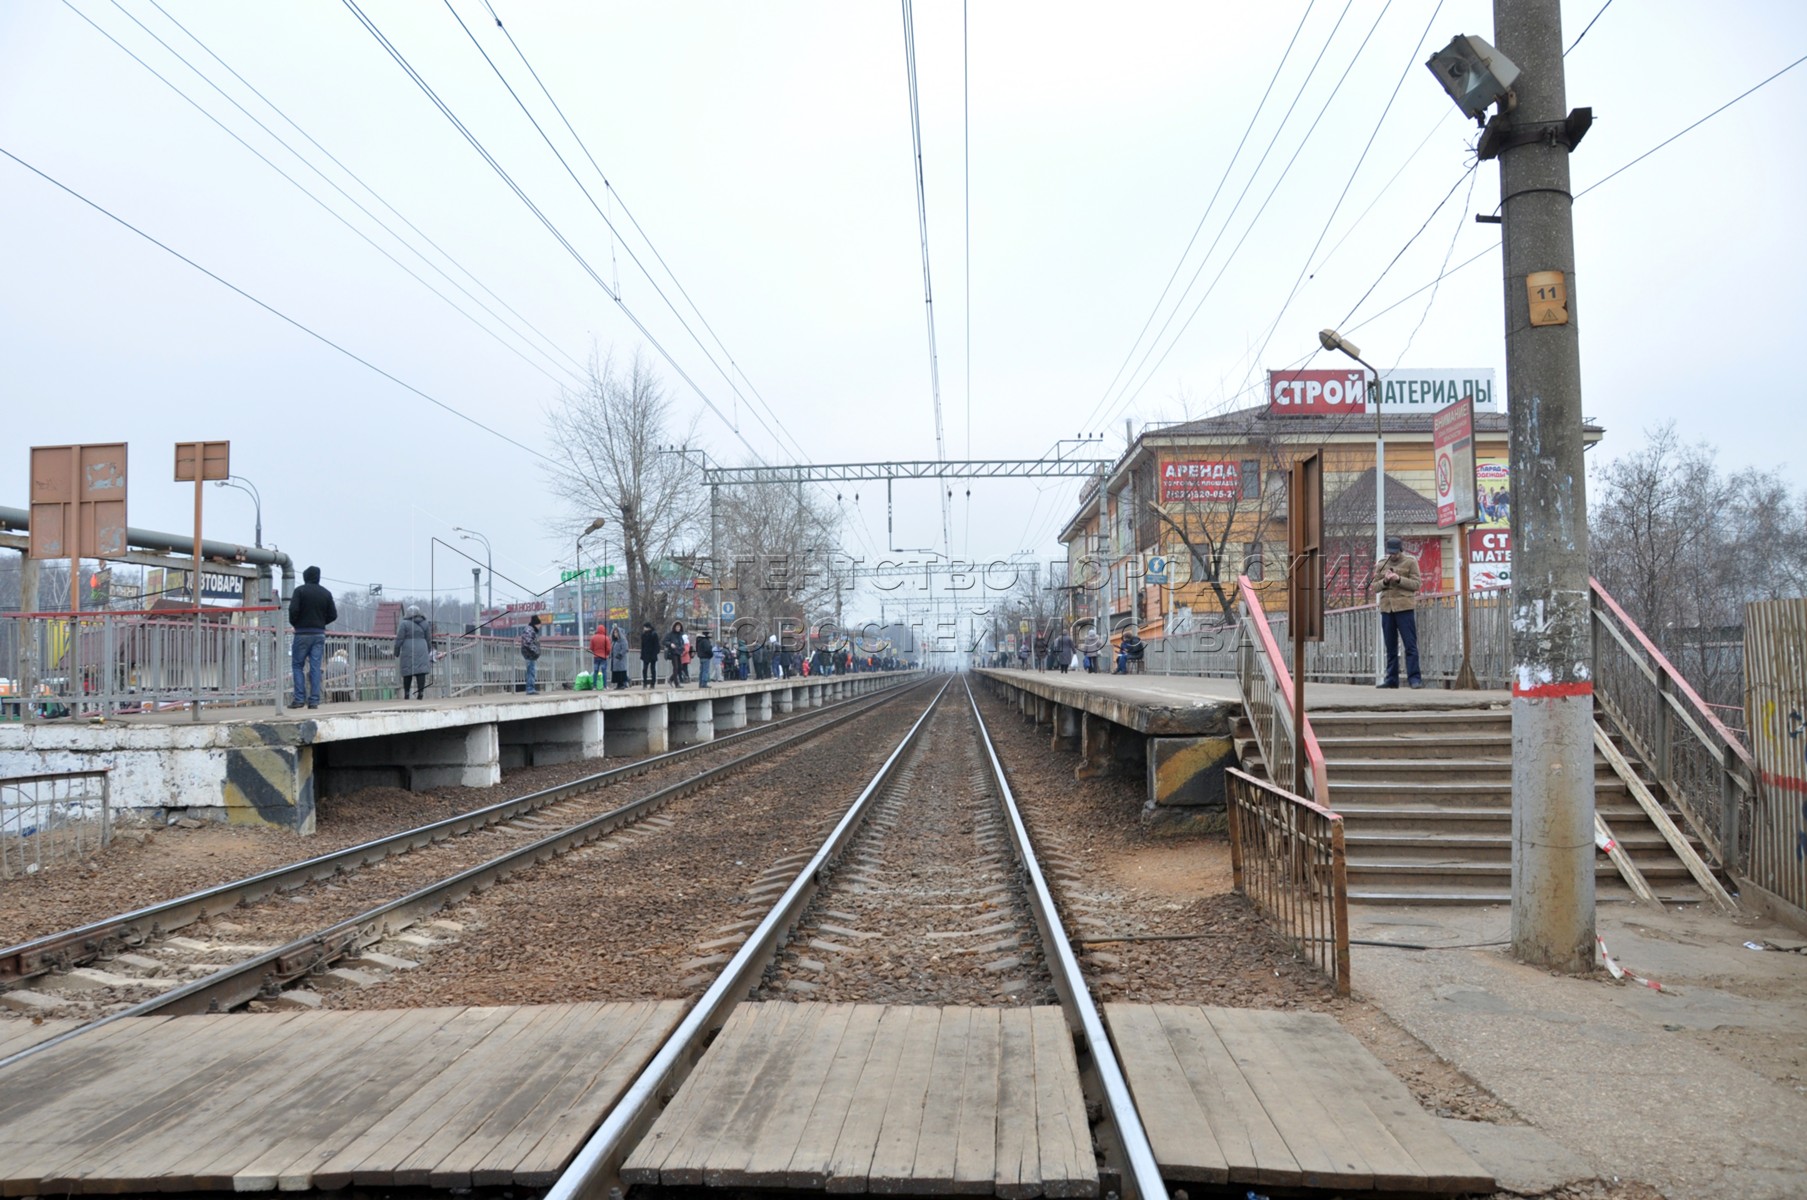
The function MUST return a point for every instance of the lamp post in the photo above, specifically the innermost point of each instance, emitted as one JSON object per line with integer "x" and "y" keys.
{"x": 1330, "y": 339}
{"x": 257, "y": 501}
{"x": 592, "y": 527}
{"x": 489, "y": 562}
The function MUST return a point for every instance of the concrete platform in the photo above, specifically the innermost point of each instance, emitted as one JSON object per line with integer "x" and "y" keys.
{"x": 253, "y": 766}
{"x": 439, "y": 1097}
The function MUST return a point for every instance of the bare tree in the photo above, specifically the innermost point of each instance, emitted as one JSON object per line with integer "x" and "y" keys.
{"x": 606, "y": 439}
{"x": 777, "y": 546}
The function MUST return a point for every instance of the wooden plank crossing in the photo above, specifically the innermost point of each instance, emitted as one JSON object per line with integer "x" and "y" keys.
{"x": 867, "y": 1098}
{"x": 447, "y": 1097}
{"x": 1284, "y": 1099}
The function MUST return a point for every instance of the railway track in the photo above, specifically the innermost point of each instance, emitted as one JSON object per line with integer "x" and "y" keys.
{"x": 215, "y": 973}
{"x": 852, "y": 856}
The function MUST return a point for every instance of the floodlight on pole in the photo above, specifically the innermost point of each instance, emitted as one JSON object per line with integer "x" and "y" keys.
{"x": 1331, "y": 340}
{"x": 489, "y": 561}
{"x": 1474, "y": 74}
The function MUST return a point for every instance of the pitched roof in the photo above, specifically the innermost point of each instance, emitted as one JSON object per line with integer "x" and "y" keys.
{"x": 1354, "y": 505}
{"x": 1260, "y": 422}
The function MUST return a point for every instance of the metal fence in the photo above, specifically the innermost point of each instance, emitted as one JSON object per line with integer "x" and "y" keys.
{"x": 1775, "y": 634}
{"x": 98, "y": 664}
{"x": 51, "y": 819}
{"x": 1286, "y": 855}
{"x": 1351, "y": 650}
{"x": 1702, "y": 766}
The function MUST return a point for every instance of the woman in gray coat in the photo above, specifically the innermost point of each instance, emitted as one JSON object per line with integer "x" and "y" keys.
{"x": 414, "y": 651}
{"x": 618, "y": 658}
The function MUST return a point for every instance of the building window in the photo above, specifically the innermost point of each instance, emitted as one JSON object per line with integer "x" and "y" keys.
{"x": 1251, "y": 479}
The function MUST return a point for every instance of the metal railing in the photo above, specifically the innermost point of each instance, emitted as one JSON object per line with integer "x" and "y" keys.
{"x": 53, "y": 818}
{"x": 1351, "y": 649}
{"x": 1267, "y": 698}
{"x": 100, "y": 664}
{"x": 1704, "y": 769}
{"x": 1286, "y": 856}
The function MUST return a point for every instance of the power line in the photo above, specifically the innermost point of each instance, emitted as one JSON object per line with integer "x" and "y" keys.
{"x": 1211, "y": 204}
{"x": 1129, "y": 397}
{"x": 277, "y": 109}
{"x": 272, "y": 310}
{"x": 608, "y": 185}
{"x": 928, "y": 289}
{"x": 1299, "y": 281}
{"x": 302, "y": 188}
{"x": 1640, "y": 158}
{"x": 1590, "y": 25}
{"x": 426, "y": 88}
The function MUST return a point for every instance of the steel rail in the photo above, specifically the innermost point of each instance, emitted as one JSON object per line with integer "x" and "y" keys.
{"x": 85, "y": 942}
{"x": 599, "y": 1159}
{"x": 251, "y": 977}
{"x": 1142, "y": 1180}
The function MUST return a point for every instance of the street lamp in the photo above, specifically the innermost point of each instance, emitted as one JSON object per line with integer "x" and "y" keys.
{"x": 1330, "y": 339}
{"x": 592, "y": 527}
{"x": 489, "y": 562}
{"x": 245, "y": 485}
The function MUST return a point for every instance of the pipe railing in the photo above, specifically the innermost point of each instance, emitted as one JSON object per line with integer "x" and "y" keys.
{"x": 1267, "y": 696}
{"x": 1287, "y": 857}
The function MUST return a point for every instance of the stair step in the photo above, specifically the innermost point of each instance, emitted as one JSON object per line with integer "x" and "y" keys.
{"x": 1469, "y": 869}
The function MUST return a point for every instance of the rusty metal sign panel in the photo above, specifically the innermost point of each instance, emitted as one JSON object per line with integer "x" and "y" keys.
{"x": 1775, "y": 703}
{"x": 216, "y": 460}
{"x": 78, "y": 501}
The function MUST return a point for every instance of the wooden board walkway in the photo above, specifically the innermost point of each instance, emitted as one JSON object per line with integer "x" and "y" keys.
{"x": 869, "y": 1098}
{"x": 1285, "y": 1099}
{"x": 446, "y": 1097}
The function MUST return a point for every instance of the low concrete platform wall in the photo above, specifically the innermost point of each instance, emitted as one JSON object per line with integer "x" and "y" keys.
{"x": 1173, "y": 732}
{"x": 254, "y": 767}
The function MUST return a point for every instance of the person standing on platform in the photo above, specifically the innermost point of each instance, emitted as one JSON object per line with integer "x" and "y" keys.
{"x": 1090, "y": 647}
{"x": 414, "y": 652}
{"x": 618, "y": 658}
{"x": 1396, "y": 581}
{"x": 530, "y": 651}
{"x": 649, "y": 655}
{"x": 705, "y": 658}
{"x": 1062, "y": 651}
{"x": 600, "y": 646}
{"x": 311, "y": 610}
{"x": 676, "y": 645}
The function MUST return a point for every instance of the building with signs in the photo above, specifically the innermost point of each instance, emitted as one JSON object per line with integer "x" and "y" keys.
{"x": 1209, "y": 496}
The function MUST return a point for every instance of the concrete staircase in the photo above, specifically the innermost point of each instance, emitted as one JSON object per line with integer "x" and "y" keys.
{"x": 1426, "y": 798}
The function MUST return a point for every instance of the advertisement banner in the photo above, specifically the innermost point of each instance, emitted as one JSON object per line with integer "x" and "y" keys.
{"x": 1405, "y": 390}
{"x": 1193, "y": 480}
{"x": 1452, "y": 439}
{"x": 1489, "y": 558}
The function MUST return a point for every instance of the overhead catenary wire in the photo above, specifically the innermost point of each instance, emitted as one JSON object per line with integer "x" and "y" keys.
{"x": 304, "y": 190}
{"x": 1127, "y": 396}
{"x": 272, "y": 309}
{"x": 361, "y": 182}
{"x": 1211, "y": 204}
{"x": 928, "y": 288}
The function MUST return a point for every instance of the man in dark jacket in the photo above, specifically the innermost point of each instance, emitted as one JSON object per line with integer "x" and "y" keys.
{"x": 311, "y": 610}
{"x": 705, "y": 657}
{"x": 649, "y": 654}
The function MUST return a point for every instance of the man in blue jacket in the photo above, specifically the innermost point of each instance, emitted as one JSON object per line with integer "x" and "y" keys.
{"x": 311, "y": 610}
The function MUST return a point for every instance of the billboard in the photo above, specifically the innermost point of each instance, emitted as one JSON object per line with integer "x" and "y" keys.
{"x": 1403, "y": 390}
{"x": 1452, "y": 441}
{"x": 1490, "y": 543}
{"x": 1195, "y": 480}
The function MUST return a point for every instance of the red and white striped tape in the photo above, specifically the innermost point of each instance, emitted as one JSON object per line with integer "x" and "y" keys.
{"x": 1619, "y": 972}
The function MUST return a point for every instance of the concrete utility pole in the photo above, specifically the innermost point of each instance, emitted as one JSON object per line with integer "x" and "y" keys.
{"x": 1552, "y": 689}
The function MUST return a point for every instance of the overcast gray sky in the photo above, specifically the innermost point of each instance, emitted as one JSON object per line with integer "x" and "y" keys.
{"x": 766, "y": 151}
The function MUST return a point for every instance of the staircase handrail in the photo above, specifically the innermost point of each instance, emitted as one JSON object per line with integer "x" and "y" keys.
{"x": 1651, "y": 737}
{"x": 1263, "y": 676}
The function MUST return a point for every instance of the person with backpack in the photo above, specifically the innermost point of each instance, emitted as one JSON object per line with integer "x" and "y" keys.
{"x": 649, "y": 654}
{"x": 530, "y": 651}
{"x": 705, "y": 657}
